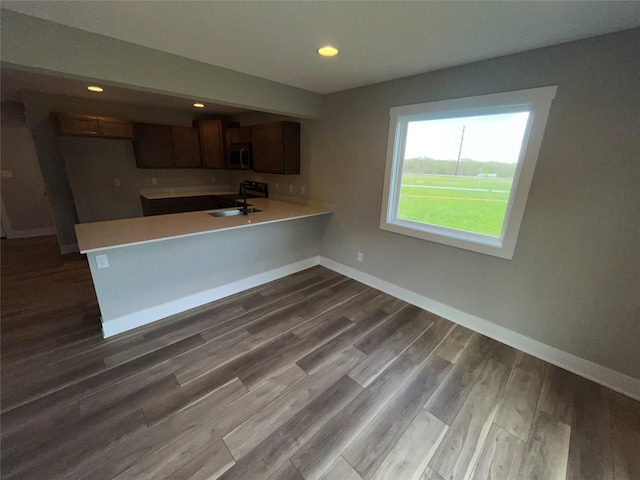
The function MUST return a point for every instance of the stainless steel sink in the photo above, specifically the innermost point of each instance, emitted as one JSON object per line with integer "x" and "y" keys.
{"x": 232, "y": 212}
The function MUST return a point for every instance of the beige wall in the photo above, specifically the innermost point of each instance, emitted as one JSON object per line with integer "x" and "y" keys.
{"x": 574, "y": 281}
{"x": 31, "y": 43}
{"x": 23, "y": 193}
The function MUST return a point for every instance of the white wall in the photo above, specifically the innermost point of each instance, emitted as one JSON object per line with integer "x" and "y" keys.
{"x": 23, "y": 193}
{"x": 574, "y": 281}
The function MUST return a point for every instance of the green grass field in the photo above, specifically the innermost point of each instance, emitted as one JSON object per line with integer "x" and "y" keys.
{"x": 472, "y": 204}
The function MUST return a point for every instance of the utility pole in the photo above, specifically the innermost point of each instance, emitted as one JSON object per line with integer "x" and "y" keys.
{"x": 460, "y": 151}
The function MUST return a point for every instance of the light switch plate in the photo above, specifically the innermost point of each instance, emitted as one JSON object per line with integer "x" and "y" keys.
{"x": 116, "y": 182}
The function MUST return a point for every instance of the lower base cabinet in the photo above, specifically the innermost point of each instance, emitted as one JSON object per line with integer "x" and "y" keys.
{"x": 163, "y": 206}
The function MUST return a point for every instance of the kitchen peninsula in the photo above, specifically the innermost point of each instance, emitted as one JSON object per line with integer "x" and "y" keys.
{"x": 145, "y": 269}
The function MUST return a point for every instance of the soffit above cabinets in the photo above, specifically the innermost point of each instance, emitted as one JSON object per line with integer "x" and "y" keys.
{"x": 378, "y": 41}
{"x": 16, "y": 82}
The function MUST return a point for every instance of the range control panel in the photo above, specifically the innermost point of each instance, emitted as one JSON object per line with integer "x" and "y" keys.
{"x": 259, "y": 189}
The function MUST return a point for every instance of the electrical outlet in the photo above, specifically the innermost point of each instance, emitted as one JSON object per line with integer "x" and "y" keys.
{"x": 116, "y": 182}
{"x": 277, "y": 187}
{"x": 213, "y": 179}
{"x": 290, "y": 188}
{"x": 7, "y": 173}
{"x": 303, "y": 189}
{"x": 360, "y": 256}
{"x": 102, "y": 261}
{"x": 154, "y": 181}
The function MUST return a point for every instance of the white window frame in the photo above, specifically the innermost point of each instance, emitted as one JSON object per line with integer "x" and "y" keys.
{"x": 537, "y": 101}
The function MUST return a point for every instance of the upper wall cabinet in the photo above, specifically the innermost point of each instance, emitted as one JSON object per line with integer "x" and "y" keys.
{"x": 276, "y": 148}
{"x": 212, "y": 142}
{"x": 164, "y": 146}
{"x": 93, "y": 126}
{"x": 152, "y": 145}
{"x": 185, "y": 144}
{"x": 239, "y": 135}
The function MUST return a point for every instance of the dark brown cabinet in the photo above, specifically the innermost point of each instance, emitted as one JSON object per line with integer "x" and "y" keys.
{"x": 163, "y": 206}
{"x": 152, "y": 145}
{"x": 212, "y": 142}
{"x": 276, "y": 148}
{"x": 164, "y": 146}
{"x": 114, "y": 128}
{"x": 239, "y": 135}
{"x": 185, "y": 144}
{"x": 93, "y": 126}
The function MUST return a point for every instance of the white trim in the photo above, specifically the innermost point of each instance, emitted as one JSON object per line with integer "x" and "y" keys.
{"x": 34, "y": 232}
{"x": 69, "y": 248}
{"x": 585, "y": 368}
{"x": 158, "y": 312}
{"x": 603, "y": 375}
{"x": 6, "y": 223}
{"x": 536, "y": 101}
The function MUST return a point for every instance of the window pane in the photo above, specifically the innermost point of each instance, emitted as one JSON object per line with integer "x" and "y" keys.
{"x": 458, "y": 172}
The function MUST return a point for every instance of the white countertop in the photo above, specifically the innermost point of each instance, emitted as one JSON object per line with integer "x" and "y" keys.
{"x": 134, "y": 231}
{"x": 190, "y": 193}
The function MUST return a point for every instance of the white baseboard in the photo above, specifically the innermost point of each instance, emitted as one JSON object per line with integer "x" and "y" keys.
{"x": 33, "y": 232}
{"x": 580, "y": 366}
{"x": 69, "y": 248}
{"x": 158, "y": 312}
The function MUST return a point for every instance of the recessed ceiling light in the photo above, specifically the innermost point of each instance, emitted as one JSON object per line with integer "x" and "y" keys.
{"x": 327, "y": 51}
{"x": 93, "y": 88}
{"x": 198, "y": 105}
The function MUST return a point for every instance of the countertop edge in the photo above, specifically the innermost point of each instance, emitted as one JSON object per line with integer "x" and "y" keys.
{"x": 328, "y": 206}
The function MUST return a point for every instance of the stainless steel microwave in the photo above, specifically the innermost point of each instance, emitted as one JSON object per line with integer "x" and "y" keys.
{"x": 240, "y": 156}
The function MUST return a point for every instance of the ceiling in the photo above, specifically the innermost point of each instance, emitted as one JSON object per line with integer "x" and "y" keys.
{"x": 378, "y": 41}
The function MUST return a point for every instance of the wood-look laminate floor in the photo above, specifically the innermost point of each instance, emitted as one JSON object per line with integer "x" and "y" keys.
{"x": 314, "y": 376}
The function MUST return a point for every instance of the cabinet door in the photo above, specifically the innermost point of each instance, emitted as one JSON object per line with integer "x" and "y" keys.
{"x": 113, "y": 128}
{"x": 239, "y": 135}
{"x": 78, "y": 125}
{"x": 211, "y": 144}
{"x": 152, "y": 145}
{"x": 186, "y": 147}
{"x": 267, "y": 148}
{"x": 276, "y": 148}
